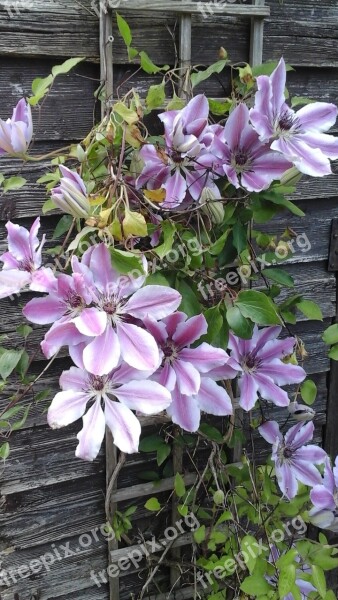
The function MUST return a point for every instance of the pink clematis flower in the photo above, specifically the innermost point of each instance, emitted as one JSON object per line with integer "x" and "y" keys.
{"x": 297, "y": 135}
{"x": 121, "y": 391}
{"x": 16, "y": 133}
{"x": 182, "y": 168}
{"x": 245, "y": 160}
{"x": 259, "y": 361}
{"x": 324, "y": 497}
{"x": 293, "y": 461}
{"x": 22, "y": 262}
{"x": 184, "y": 370}
{"x": 71, "y": 195}
{"x": 108, "y": 309}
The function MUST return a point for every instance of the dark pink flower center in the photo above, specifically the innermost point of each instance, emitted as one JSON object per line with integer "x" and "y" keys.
{"x": 177, "y": 157}
{"x": 287, "y": 452}
{"x": 286, "y": 121}
{"x": 26, "y": 265}
{"x": 110, "y": 307}
{"x": 74, "y": 300}
{"x": 97, "y": 383}
{"x": 170, "y": 351}
{"x": 241, "y": 157}
{"x": 250, "y": 362}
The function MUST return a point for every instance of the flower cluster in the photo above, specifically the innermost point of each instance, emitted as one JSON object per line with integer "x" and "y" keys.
{"x": 254, "y": 148}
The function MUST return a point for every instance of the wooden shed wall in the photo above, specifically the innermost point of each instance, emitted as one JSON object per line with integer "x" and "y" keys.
{"x": 49, "y": 496}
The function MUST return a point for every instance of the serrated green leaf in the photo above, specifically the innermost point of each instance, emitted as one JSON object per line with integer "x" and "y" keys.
{"x": 308, "y": 391}
{"x": 153, "y": 505}
{"x": 126, "y": 262}
{"x": 67, "y": 66}
{"x": 310, "y": 309}
{"x": 13, "y": 183}
{"x": 257, "y": 307}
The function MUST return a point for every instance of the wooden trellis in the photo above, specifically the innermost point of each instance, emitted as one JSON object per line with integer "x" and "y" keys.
{"x": 185, "y": 10}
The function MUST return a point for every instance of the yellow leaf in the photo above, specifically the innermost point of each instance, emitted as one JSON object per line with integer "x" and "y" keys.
{"x": 134, "y": 224}
{"x": 116, "y": 229}
{"x": 104, "y": 216}
{"x": 97, "y": 200}
{"x": 155, "y": 195}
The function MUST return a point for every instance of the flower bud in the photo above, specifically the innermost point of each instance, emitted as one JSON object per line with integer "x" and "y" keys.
{"x": 291, "y": 176}
{"x": 71, "y": 195}
{"x": 219, "y": 497}
{"x": 212, "y": 208}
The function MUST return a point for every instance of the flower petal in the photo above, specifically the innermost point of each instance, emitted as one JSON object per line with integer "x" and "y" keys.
{"x": 147, "y": 397}
{"x": 91, "y": 321}
{"x": 158, "y": 301}
{"x": 311, "y": 453}
{"x": 176, "y": 189}
{"x": 12, "y": 281}
{"x": 66, "y": 407}
{"x": 205, "y": 357}
{"x": 287, "y": 481}
{"x": 60, "y": 334}
{"x": 270, "y": 391}
{"x": 123, "y": 424}
{"x": 44, "y": 310}
{"x": 318, "y": 116}
{"x": 299, "y": 434}
{"x": 270, "y": 431}
{"x": 213, "y": 399}
{"x": 184, "y": 411}
{"x": 306, "y": 472}
{"x": 282, "y": 373}
{"x": 322, "y": 498}
{"x": 92, "y": 433}
{"x": 248, "y": 387}
{"x": 188, "y": 379}
{"x": 102, "y": 354}
{"x": 74, "y": 379}
{"x": 138, "y": 347}
{"x": 190, "y": 331}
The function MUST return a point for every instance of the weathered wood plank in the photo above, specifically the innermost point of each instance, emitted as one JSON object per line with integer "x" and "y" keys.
{"x": 69, "y": 111}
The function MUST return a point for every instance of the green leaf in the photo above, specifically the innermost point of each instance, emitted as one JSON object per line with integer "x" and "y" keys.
{"x": 333, "y": 354}
{"x": 40, "y": 87}
{"x": 162, "y": 454}
{"x": 249, "y": 547}
{"x": 175, "y": 103}
{"x": 280, "y": 276}
{"x": 319, "y": 581}
{"x": 179, "y": 485}
{"x": 215, "y": 324}
{"x": 219, "y": 107}
{"x": 4, "y": 450}
{"x": 330, "y": 335}
{"x": 240, "y": 236}
{"x": 67, "y": 66}
{"x": 300, "y": 100}
{"x": 8, "y": 362}
{"x": 132, "y": 53}
{"x": 24, "y": 330}
{"x": 190, "y": 304}
{"x": 148, "y": 66}
{"x": 2, "y": 177}
{"x": 310, "y": 309}
{"x": 151, "y": 443}
{"x": 153, "y": 505}
{"x": 308, "y": 391}
{"x": 168, "y": 232}
{"x": 156, "y": 96}
{"x": 255, "y": 585}
{"x": 211, "y": 432}
{"x": 124, "y": 29}
{"x": 14, "y": 183}
{"x": 199, "y": 534}
{"x": 74, "y": 244}
{"x": 48, "y": 206}
{"x": 125, "y": 262}
{"x": 286, "y": 580}
{"x": 129, "y": 115}
{"x": 257, "y": 307}
{"x": 63, "y": 225}
{"x": 239, "y": 324}
{"x": 23, "y": 364}
{"x": 218, "y": 246}
{"x": 200, "y": 76}
{"x": 267, "y": 68}
{"x": 18, "y": 424}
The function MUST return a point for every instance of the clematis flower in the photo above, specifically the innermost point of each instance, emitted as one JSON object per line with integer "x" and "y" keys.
{"x": 296, "y": 135}
{"x": 293, "y": 461}
{"x": 245, "y": 160}
{"x": 108, "y": 309}
{"x": 71, "y": 195}
{"x": 121, "y": 391}
{"x": 182, "y": 168}
{"x": 324, "y": 497}
{"x": 16, "y": 133}
{"x": 184, "y": 370}
{"x": 261, "y": 367}
{"x": 22, "y": 262}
